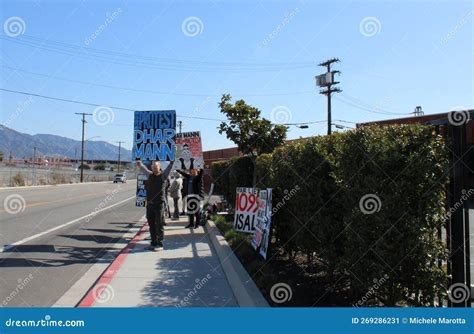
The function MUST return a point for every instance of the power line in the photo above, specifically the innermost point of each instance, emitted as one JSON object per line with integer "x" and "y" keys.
{"x": 343, "y": 121}
{"x": 358, "y": 101}
{"x": 146, "y": 90}
{"x": 149, "y": 62}
{"x": 75, "y": 47}
{"x": 364, "y": 108}
{"x": 304, "y": 123}
{"x": 180, "y": 116}
{"x": 97, "y": 105}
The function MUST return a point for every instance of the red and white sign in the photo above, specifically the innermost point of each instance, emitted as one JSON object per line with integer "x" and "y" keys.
{"x": 189, "y": 145}
{"x": 246, "y": 206}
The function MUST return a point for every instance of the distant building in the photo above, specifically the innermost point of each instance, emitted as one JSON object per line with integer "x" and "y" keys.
{"x": 219, "y": 155}
{"x": 422, "y": 120}
{"x": 226, "y": 153}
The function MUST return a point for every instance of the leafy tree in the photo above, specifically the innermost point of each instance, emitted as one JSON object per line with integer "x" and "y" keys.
{"x": 253, "y": 134}
{"x": 1, "y": 156}
{"x": 100, "y": 166}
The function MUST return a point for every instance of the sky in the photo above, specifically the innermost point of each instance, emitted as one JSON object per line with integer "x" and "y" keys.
{"x": 183, "y": 55}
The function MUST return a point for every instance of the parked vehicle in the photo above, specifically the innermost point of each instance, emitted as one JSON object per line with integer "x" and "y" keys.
{"x": 122, "y": 178}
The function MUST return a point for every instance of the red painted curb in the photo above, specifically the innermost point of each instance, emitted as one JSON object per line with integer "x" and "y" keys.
{"x": 103, "y": 281}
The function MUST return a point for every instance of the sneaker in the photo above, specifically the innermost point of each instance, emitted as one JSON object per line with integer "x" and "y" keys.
{"x": 189, "y": 226}
{"x": 152, "y": 248}
{"x": 196, "y": 226}
{"x": 160, "y": 245}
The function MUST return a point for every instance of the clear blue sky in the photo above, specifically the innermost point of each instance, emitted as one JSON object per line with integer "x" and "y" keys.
{"x": 419, "y": 53}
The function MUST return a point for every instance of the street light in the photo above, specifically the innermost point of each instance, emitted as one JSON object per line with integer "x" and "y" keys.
{"x": 298, "y": 125}
{"x": 340, "y": 126}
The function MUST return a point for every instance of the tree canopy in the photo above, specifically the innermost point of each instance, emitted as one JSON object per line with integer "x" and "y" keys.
{"x": 252, "y": 133}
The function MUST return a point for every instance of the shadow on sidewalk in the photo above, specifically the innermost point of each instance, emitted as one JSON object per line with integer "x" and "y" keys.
{"x": 188, "y": 272}
{"x": 190, "y": 282}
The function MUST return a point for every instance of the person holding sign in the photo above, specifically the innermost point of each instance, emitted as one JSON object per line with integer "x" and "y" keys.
{"x": 155, "y": 199}
{"x": 175, "y": 192}
{"x": 193, "y": 185}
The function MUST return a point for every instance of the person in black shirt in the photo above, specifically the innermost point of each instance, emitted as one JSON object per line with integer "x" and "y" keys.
{"x": 155, "y": 198}
{"x": 192, "y": 183}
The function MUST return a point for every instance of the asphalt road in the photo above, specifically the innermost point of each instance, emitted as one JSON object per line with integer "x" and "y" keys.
{"x": 52, "y": 262}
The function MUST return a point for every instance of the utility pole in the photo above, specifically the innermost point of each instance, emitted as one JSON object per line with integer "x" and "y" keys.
{"x": 180, "y": 125}
{"x": 120, "y": 146}
{"x": 326, "y": 80}
{"x": 82, "y": 153}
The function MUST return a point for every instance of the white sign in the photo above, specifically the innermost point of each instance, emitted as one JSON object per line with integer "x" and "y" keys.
{"x": 246, "y": 206}
{"x": 261, "y": 237}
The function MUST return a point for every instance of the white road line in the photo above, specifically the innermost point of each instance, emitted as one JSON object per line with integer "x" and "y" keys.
{"x": 95, "y": 212}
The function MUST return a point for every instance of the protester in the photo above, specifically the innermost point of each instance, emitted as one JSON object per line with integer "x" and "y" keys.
{"x": 175, "y": 193}
{"x": 155, "y": 195}
{"x": 184, "y": 188}
{"x": 167, "y": 188}
{"x": 193, "y": 183}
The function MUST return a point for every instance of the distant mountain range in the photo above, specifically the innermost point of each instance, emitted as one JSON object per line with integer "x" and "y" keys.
{"x": 22, "y": 146}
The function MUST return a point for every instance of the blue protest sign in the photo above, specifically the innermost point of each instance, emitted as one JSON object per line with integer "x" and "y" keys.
{"x": 154, "y": 135}
{"x": 153, "y": 139}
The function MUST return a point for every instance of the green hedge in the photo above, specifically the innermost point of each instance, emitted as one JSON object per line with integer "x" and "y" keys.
{"x": 405, "y": 167}
{"x": 386, "y": 251}
{"x": 230, "y": 174}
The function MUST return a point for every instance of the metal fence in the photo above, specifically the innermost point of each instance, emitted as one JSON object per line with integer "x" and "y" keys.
{"x": 13, "y": 176}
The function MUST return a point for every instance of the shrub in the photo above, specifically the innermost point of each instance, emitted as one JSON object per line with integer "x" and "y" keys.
{"x": 18, "y": 180}
{"x": 323, "y": 189}
{"x": 310, "y": 218}
{"x": 100, "y": 166}
{"x": 237, "y": 238}
{"x": 402, "y": 168}
{"x": 230, "y": 174}
{"x": 58, "y": 178}
{"x": 42, "y": 181}
{"x": 217, "y": 219}
{"x": 220, "y": 176}
{"x": 264, "y": 171}
{"x": 221, "y": 224}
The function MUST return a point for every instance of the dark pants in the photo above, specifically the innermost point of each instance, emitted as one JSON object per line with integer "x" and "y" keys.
{"x": 183, "y": 196}
{"x": 155, "y": 218}
{"x": 191, "y": 219}
{"x": 176, "y": 207}
{"x": 193, "y": 209}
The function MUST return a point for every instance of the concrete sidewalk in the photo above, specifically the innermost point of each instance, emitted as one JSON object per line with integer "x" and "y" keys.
{"x": 187, "y": 272}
